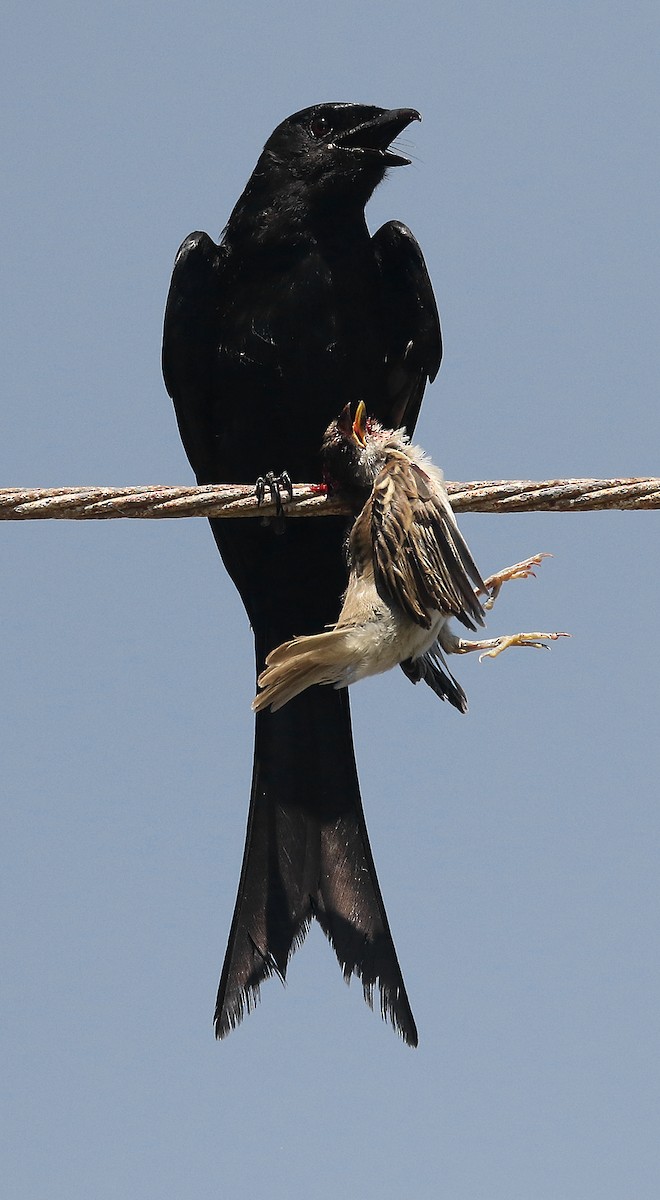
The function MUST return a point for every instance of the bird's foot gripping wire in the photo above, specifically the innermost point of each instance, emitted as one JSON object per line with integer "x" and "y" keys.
{"x": 521, "y": 570}
{"x": 277, "y": 486}
{"x": 491, "y": 647}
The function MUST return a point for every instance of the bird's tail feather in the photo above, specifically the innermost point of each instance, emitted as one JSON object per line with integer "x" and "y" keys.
{"x": 352, "y": 915}
{"x": 300, "y": 663}
{"x": 307, "y": 855}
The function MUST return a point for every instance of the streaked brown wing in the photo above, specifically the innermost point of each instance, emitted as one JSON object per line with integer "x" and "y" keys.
{"x": 421, "y": 561}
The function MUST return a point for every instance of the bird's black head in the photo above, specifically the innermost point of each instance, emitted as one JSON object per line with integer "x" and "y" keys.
{"x": 324, "y": 157}
{"x": 333, "y": 146}
{"x": 342, "y": 133}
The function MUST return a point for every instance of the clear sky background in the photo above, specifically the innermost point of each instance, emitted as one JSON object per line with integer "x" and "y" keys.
{"x": 518, "y": 847}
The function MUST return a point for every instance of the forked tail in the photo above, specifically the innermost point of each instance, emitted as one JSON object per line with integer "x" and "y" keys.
{"x": 307, "y": 855}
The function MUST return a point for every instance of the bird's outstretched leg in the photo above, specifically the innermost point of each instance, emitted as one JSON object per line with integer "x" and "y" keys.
{"x": 277, "y": 485}
{"x": 521, "y": 570}
{"x": 491, "y": 647}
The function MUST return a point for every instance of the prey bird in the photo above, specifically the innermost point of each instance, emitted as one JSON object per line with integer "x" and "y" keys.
{"x": 410, "y": 572}
{"x": 297, "y": 310}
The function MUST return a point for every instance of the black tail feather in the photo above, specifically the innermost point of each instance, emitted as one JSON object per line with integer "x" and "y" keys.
{"x": 352, "y": 916}
{"x": 307, "y": 855}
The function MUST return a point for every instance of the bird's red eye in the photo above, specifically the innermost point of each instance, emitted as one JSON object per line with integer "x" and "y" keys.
{"x": 320, "y": 126}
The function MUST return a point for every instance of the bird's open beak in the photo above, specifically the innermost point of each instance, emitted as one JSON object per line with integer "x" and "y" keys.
{"x": 345, "y": 421}
{"x": 376, "y": 135}
{"x": 360, "y": 424}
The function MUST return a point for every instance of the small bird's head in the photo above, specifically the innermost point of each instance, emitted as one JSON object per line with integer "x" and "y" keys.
{"x": 355, "y": 449}
{"x": 334, "y": 152}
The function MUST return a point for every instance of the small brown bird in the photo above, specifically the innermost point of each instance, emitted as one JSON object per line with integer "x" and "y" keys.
{"x": 410, "y": 572}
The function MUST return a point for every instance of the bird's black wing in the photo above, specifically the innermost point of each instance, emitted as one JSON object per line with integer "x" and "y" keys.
{"x": 228, "y": 369}
{"x": 433, "y": 669}
{"x": 412, "y": 322}
{"x": 190, "y": 344}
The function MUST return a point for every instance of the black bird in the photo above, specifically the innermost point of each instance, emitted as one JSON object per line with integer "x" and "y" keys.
{"x": 267, "y": 335}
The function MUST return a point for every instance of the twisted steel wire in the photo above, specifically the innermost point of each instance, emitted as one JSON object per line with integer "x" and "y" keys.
{"x": 238, "y": 500}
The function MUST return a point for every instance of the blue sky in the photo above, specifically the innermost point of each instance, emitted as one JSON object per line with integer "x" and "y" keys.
{"x": 517, "y": 847}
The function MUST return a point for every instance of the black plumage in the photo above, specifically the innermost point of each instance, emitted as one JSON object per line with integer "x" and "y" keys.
{"x": 267, "y": 335}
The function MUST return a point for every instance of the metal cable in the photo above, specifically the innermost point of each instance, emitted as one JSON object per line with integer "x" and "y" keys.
{"x": 238, "y": 500}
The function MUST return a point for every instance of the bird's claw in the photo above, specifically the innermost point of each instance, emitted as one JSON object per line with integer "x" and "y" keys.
{"x": 536, "y": 640}
{"x": 277, "y": 485}
{"x": 521, "y": 570}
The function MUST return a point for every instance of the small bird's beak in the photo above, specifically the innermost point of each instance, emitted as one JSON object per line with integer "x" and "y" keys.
{"x": 345, "y": 421}
{"x": 360, "y": 424}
